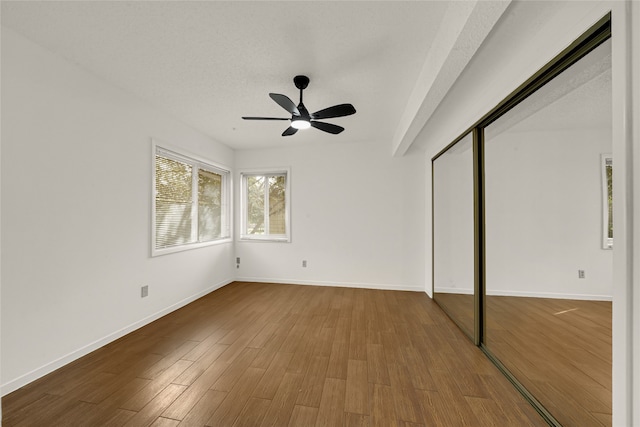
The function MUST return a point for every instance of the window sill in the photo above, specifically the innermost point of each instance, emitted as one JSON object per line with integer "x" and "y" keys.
{"x": 188, "y": 247}
{"x": 272, "y": 239}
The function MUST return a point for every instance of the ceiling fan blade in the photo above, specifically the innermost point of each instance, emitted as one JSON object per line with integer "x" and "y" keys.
{"x": 327, "y": 127}
{"x": 289, "y": 131}
{"x": 263, "y": 118}
{"x": 285, "y": 103}
{"x": 335, "y": 111}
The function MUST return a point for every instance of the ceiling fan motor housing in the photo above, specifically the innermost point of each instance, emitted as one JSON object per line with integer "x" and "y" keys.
{"x": 301, "y": 82}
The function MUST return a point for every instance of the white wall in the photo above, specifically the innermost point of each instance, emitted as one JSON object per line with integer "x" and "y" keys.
{"x": 543, "y": 214}
{"x": 356, "y": 217}
{"x": 76, "y": 183}
{"x": 76, "y": 189}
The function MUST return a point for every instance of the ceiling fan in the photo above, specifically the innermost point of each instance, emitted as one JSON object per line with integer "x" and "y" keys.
{"x": 300, "y": 117}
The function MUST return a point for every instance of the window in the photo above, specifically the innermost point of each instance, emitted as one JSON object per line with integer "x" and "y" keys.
{"x": 190, "y": 202}
{"x": 607, "y": 201}
{"x": 265, "y": 205}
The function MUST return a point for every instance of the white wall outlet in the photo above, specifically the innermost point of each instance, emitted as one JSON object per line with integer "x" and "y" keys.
{"x": 304, "y": 263}
{"x": 144, "y": 291}
{"x": 580, "y": 274}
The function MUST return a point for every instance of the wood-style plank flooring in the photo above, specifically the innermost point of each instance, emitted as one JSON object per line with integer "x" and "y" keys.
{"x": 559, "y": 349}
{"x": 281, "y": 355}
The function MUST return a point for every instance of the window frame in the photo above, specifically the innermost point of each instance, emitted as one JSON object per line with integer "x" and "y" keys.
{"x": 196, "y": 162}
{"x": 266, "y": 172}
{"x": 606, "y": 160}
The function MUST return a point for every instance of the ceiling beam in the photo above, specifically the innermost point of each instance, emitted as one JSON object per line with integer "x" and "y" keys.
{"x": 465, "y": 26}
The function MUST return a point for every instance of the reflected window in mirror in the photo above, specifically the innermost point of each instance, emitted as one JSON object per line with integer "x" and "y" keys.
{"x": 607, "y": 201}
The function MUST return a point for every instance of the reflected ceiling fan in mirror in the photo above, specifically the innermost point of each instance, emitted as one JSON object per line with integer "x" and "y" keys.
{"x": 300, "y": 117}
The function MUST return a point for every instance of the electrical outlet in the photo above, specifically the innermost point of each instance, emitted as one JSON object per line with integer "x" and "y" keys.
{"x": 304, "y": 263}
{"x": 238, "y": 260}
{"x": 144, "y": 291}
{"x": 580, "y": 274}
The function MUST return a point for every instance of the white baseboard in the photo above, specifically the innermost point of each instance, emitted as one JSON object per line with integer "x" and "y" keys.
{"x": 25, "y": 379}
{"x": 509, "y": 293}
{"x": 457, "y": 291}
{"x": 586, "y": 297}
{"x": 380, "y": 286}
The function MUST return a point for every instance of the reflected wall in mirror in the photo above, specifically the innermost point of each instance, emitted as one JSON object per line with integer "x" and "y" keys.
{"x": 548, "y": 279}
{"x": 453, "y": 233}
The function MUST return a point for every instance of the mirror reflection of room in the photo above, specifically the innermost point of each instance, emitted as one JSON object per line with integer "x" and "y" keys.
{"x": 453, "y": 233}
{"x": 548, "y": 241}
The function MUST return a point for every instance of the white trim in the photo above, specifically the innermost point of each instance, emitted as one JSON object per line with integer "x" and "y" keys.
{"x": 633, "y": 290}
{"x": 457, "y": 291}
{"x": 585, "y": 297}
{"x": 527, "y": 294}
{"x": 625, "y": 100}
{"x": 379, "y": 286}
{"x": 33, "y": 375}
{"x": 187, "y": 246}
{"x": 227, "y": 195}
{"x": 242, "y": 237}
{"x": 265, "y": 239}
{"x": 181, "y": 153}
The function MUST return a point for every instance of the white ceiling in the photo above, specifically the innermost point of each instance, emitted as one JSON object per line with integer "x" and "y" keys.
{"x": 209, "y": 63}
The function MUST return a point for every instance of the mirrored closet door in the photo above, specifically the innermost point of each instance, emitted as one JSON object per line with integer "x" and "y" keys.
{"x": 453, "y": 228}
{"x": 523, "y": 234}
{"x": 548, "y": 279}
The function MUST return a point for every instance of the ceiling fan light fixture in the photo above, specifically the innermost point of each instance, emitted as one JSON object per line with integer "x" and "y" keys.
{"x": 300, "y": 116}
{"x": 300, "y": 124}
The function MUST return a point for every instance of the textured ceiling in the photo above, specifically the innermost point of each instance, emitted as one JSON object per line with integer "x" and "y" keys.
{"x": 209, "y": 63}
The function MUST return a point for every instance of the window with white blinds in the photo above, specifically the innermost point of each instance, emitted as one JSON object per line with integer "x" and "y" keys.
{"x": 191, "y": 202}
{"x": 265, "y": 205}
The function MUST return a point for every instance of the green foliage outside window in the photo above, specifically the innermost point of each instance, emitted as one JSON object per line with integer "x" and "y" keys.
{"x": 266, "y": 204}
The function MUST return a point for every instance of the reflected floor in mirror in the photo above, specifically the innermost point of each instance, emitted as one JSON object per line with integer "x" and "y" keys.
{"x": 560, "y": 350}
{"x": 460, "y": 308}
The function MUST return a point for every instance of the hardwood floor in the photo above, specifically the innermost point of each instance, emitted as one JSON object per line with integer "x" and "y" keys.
{"x": 560, "y": 350}
{"x": 281, "y": 355}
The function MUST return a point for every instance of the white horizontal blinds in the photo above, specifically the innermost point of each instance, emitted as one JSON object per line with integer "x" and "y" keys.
{"x": 255, "y": 221}
{"x": 174, "y": 201}
{"x": 192, "y": 201}
{"x": 277, "y": 204}
{"x": 210, "y": 202}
